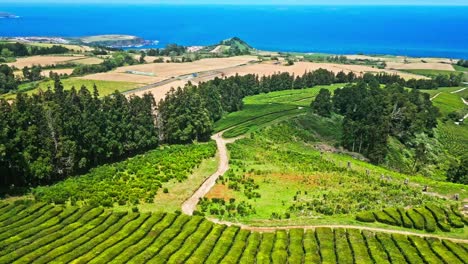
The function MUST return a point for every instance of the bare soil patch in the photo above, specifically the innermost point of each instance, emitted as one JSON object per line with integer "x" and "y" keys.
{"x": 420, "y": 66}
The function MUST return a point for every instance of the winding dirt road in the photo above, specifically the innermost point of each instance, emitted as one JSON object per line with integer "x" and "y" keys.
{"x": 190, "y": 205}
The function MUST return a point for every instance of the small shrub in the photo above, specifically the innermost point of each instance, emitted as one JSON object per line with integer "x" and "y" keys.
{"x": 135, "y": 209}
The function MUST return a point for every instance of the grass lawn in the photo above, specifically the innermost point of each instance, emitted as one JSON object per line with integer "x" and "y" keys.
{"x": 260, "y": 110}
{"x": 460, "y": 68}
{"x": 104, "y": 87}
{"x": 448, "y": 102}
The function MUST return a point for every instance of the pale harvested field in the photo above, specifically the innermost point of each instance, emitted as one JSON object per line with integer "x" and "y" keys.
{"x": 300, "y": 68}
{"x": 420, "y": 66}
{"x": 43, "y": 60}
{"x": 89, "y": 60}
{"x": 163, "y": 71}
{"x": 122, "y": 77}
{"x": 58, "y": 71}
{"x": 161, "y": 91}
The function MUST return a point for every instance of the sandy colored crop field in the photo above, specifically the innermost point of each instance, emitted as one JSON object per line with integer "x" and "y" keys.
{"x": 300, "y": 67}
{"x": 420, "y": 66}
{"x": 164, "y": 71}
{"x": 89, "y": 60}
{"x": 161, "y": 91}
{"x": 43, "y": 60}
{"x": 122, "y": 77}
{"x": 58, "y": 71}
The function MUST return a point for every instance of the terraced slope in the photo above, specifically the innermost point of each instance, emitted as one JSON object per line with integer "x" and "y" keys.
{"x": 42, "y": 233}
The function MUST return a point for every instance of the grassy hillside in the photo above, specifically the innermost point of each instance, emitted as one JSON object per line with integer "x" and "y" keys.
{"x": 46, "y": 234}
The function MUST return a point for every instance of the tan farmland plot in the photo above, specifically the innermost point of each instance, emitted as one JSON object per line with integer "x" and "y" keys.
{"x": 420, "y": 66}
{"x": 43, "y": 60}
{"x": 58, "y": 71}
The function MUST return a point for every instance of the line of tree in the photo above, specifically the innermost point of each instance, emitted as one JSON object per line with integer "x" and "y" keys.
{"x": 463, "y": 63}
{"x": 48, "y": 136}
{"x": 21, "y": 50}
{"x": 117, "y": 59}
{"x": 439, "y": 80}
{"x": 373, "y": 114}
{"x": 169, "y": 50}
{"x": 8, "y": 81}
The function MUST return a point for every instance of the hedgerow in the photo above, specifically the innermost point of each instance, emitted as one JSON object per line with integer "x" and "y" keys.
{"x": 325, "y": 238}
{"x": 390, "y": 248}
{"x": 375, "y": 248}
{"x": 296, "y": 248}
{"x": 82, "y": 245}
{"x": 365, "y": 217}
{"x": 342, "y": 247}
{"x": 154, "y": 233}
{"x": 456, "y": 250}
{"x": 88, "y": 216}
{"x": 132, "y": 181}
{"x": 280, "y": 253}
{"x": 192, "y": 243}
{"x": 265, "y": 249}
{"x": 237, "y": 248}
{"x": 223, "y": 245}
{"x": 358, "y": 246}
{"x": 406, "y": 221}
{"x": 416, "y": 218}
{"x": 441, "y": 251}
{"x": 453, "y": 219}
{"x": 311, "y": 248}
{"x": 164, "y": 238}
{"x": 393, "y": 213}
{"x": 429, "y": 221}
{"x": 424, "y": 250}
{"x": 409, "y": 252}
{"x": 204, "y": 250}
{"x": 385, "y": 218}
{"x": 250, "y": 252}
{"x": 170, "y": 248}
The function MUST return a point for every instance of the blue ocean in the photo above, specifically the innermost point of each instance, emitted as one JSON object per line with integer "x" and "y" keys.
{"x": 398, "y": 30}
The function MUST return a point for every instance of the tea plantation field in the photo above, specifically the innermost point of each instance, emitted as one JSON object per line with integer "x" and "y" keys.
{"x": 43, "y": 233}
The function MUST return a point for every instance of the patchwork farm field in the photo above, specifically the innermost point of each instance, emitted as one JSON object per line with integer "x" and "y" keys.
{"x": 43, "y": 233}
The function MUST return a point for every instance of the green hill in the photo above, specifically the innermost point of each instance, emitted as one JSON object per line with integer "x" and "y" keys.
{"x": 232, "y": 46}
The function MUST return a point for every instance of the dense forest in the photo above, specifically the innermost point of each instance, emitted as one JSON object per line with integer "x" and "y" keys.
{"x": 372, "y": 114}
{"x": 7, "y": 79}
{"x": 21, "y": 50}
{"x": 46, "y": 137}
{"x": 57, "y": 133}
{"x": 463, "y": 63}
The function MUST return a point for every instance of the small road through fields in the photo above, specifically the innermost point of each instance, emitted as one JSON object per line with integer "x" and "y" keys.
{"x": 373, "y": 229}
{"x": 189, "y": 205}
{"x": 435, "y": 96}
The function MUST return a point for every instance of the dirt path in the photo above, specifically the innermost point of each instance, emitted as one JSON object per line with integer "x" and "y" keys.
{"x": 190, "y": 205}
{"x": 435, "y": 96}
{"x": 373, "y": 229}
{"x": 457, "y": 91}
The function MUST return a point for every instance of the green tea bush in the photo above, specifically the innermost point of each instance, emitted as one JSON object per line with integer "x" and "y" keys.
{"x": 203, "y": 251}
{"x": 358, "y": 246}
{"x": 325, "y": 238}
{"x": 280, "y": 253}
{"x": 342, "y": 247}
{"x": 456, "y": 250}
{"x": 385, "y": 218}
{"x": 424, "y": 250}
{"x": 393, "y": 213}
{"x": 416, "y": 218}
{"x": 390, "y": 248}
{"x": 265, "y": 249}
{"x": 446, "y": 255}
{"x": 250, "y": 252}
{"x": 237, "y": 248}
{"x": 223, "y": 245}
{"x": 311, "y": 248}
{"x": 365, "y": 217}
{"x": 429, "y": 221}
{"x": 375, "y": 248}
{"x": 296, "y": 251}
{"x": 409, "y": 252}
{"x": 406, "y": 221}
